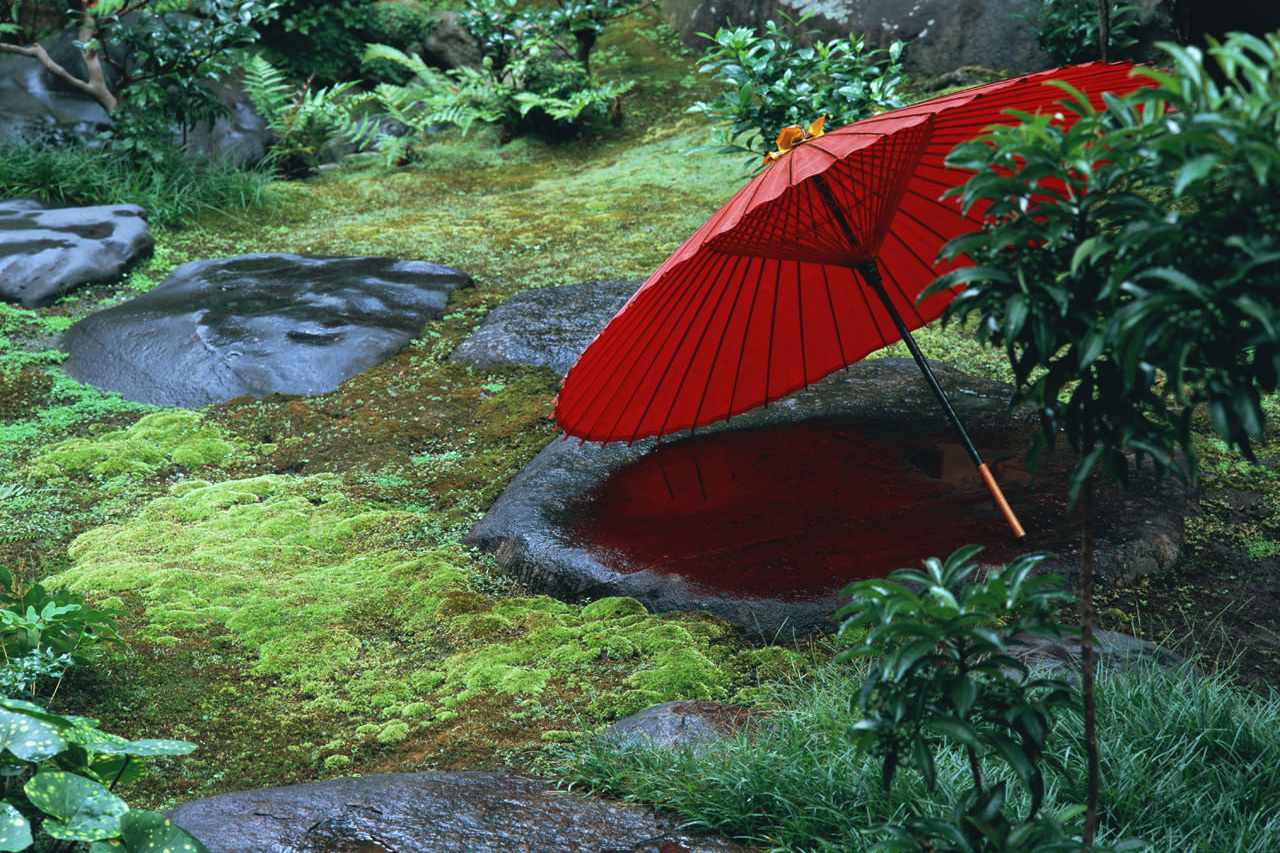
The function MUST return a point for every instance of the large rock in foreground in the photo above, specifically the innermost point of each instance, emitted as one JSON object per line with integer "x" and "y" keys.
{"x": 46, "y": 251}
{"x": 431, "y": 813}
{"x": 763, "y": 520}
{"x": 257, "y": 324}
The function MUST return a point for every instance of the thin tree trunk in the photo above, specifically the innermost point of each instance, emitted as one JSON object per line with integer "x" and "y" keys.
{"x": 96, "y": 86}
{"x": 1104, "y": 30}
{"x": 1086, "y": 663}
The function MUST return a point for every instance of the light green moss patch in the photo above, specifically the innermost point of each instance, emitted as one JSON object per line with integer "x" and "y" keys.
{"x": 170, "y": 438}
{"x": 362, "y": 614}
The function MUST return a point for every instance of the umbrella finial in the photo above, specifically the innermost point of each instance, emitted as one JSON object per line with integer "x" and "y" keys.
{"x": 791, "y": 136}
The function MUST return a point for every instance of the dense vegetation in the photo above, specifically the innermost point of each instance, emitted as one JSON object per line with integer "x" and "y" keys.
{"x": 153, "y": 575}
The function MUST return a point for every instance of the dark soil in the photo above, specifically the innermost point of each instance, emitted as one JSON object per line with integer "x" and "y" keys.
{"x": 1221, "y": 606}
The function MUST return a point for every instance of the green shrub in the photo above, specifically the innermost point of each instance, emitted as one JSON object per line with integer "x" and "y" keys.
{"x": 58, "y": 780}
{"x": 303, "y": 119}
{"x": 1130, "y": 267}
{"x": 539, "y": 60}
{"x": 323, "y": 41}
{"x": 173, "y": 190}
{"x": 42, "y": 634}
{"x": 1068, "y": 29}
{"x": 772, "y": 82}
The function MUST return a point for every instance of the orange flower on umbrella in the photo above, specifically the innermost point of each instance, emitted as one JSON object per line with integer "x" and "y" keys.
{"x": 792, "y": 136}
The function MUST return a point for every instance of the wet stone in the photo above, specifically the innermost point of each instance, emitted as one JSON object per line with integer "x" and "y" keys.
{"x": 681, "y": 724}
{"x": 46, "y": 251}
{"x": 257, "y": 324}
{"x": 764, "y": 519}
{"x": 464, "y": 812}
{"x": 548, "y": 327}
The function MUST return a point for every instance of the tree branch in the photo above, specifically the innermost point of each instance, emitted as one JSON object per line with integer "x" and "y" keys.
{"x": 95, "y": 87}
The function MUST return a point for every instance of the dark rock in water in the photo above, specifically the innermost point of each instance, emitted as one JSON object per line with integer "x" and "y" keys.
{"x": 46, "y": 251}
{"x": 549, "y": 326}
{"x": 762, "y": 521}
{"x": 257, "y": 324}
{"x": 681, "y": 724}
{"x": 431, "y": 813}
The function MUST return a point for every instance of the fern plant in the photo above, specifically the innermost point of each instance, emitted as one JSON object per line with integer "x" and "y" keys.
{"x": 303, "y": 119}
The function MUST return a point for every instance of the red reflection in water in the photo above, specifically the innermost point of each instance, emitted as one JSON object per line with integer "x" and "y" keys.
{"x": 788, "y": 512}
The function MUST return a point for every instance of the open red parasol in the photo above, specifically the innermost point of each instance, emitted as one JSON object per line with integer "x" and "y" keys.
{"x": 814, "y": 264}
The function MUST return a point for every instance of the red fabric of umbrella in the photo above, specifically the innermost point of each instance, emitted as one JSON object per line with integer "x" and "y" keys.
{"x": 781, "y": 286}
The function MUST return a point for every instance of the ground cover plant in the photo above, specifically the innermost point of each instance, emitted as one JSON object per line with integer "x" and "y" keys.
{"x": 395, "y": 648}
{"x": 1176, "y": 746}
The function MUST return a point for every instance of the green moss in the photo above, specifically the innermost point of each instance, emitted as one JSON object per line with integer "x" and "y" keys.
{"x": 342, "y": 604}
{"x": 180, "y": 439}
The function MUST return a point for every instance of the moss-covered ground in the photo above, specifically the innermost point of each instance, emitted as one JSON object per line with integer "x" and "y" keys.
{"x": 299, "y": 603}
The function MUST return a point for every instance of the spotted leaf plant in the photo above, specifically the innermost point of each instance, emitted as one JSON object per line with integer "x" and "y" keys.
{"x": 58, "y": 773}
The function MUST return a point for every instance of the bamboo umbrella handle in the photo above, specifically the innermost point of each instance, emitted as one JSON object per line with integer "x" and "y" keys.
{"x": 994, "y": 488}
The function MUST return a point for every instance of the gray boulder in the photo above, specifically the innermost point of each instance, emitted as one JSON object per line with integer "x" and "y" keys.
{"x": 680, "y": 724}
{"x": 257, "y": 324}
{"x": 548, "y": 327}
{"x": 46, "y": 251}
{"x": 37, "y": 105}
{"x": 464, "y": 812}
{"x": 448, "y": 44}
{"x": 942, "y": 35}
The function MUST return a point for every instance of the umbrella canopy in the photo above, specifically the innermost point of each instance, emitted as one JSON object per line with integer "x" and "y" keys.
{"x": 782, "y": 285}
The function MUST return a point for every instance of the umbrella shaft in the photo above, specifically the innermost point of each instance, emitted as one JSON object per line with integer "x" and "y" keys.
{"x": 871, "y": 275}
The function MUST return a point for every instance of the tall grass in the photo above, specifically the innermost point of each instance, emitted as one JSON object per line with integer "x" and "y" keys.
{"x": 1189, "y": 764}
{"x": 172, "y": 191}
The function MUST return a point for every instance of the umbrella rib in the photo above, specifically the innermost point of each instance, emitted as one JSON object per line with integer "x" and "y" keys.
{"x": 715, "y": 356}
{"x": 628, "y": 363}
{"x": 804, "y": 361}
{"x": 690, "y": 308}
{"x": 835, "y": 318}
{"x": 742, "y": 351}
{"x": 773, "y": 330}
{"x": 689, "y": 362}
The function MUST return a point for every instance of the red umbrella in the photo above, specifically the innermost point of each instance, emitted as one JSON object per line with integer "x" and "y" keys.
{"x": 811, "y": 266}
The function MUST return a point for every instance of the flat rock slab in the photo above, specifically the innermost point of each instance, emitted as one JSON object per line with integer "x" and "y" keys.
{"x": 548, "y": 327}
{"x": 431, "y": 813}
{"x": 763, "y": 520}
{"x": 46, "y": 251}
{"x": 257, "y": 324}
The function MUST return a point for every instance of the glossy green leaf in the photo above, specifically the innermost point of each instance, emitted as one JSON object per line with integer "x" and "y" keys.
{"x": 145, "y": 748}
{"x": 148, "y": 832}
{"x": 31, "y": 735}
{"x": 79, "y": 809}
{"x": 15, "y": 831}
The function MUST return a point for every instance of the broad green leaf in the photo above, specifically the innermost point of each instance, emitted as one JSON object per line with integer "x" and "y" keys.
{"x": 79, "y": 808}
{"x": 145, "y": 748}
{"x": 30, "y": 735}
{"x": 15, "y": 832}
{"x": 922, "y": 755}
{"x": 1193, "y": 171}
{"x": 957, "y": 730}
{"x": 148, "y": 832}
